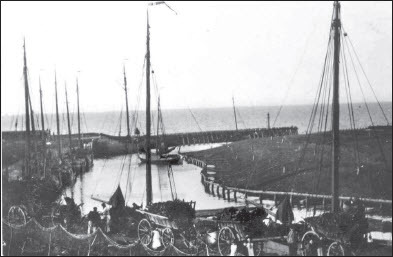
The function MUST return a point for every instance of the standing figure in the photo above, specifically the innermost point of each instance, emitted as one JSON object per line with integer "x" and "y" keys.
{"x": 292, "y": 241}
{"x": 94, "y": 221}
{"x": 106, "y": 217}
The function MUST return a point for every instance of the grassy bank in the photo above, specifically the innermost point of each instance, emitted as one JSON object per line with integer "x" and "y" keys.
{"x": 270, "y": 164}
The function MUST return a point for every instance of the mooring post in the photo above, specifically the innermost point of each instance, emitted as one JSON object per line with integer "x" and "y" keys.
{"x": 260, "y": 199}
{"x": 223, "y": 193}
{"x": 290, "y": 199}
{"x": 228, "y": 195}
{"x": 218, "y": 190}
{"x": 306, "y": 203}
{"x": 212, "y": 189}
{"x": 275, "y": 199}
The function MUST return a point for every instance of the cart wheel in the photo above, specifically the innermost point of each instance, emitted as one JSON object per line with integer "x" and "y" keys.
{"x": 336, "y": 249}
{"x": 17, "y": 215}
{"x": 310, "y": 244}
{"x": 144, "y": 232}
{"x": 226, "y": 237}
{"x": 167, "y": 237}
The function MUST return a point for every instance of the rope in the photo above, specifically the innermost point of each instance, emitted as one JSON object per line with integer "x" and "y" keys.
{"x": 350, "y": 105}
{"x": 136, "y": 113}
{"x": 60, "y": 229}
{"x": 294, "y": 75}
{"x": 102, "y": 169}
{"x": 128, "y": 178}
{"x": 368, "y": 81}
{"x": 368, "y": 110}
{"x": 195, "y": 120}
{"x": 90, "y": 245}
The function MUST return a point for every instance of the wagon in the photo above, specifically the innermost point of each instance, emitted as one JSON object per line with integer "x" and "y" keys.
{"x": 233, "y": 232}
{"x": 332, "y": 242}
{"x": 169, "y": 231}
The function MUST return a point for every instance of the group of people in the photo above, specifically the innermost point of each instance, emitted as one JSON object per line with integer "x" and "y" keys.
{"x": 95, "y": 221}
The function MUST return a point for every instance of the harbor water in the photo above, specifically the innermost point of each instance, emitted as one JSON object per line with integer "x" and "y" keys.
{"x": 99, "y": 184}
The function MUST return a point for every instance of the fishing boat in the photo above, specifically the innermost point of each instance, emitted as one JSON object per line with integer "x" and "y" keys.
{"x": 157, "y": 158}
{"x": 162, "y": 154}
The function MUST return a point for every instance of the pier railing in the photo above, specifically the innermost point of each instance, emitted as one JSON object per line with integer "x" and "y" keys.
{"x": 223, "y": 191}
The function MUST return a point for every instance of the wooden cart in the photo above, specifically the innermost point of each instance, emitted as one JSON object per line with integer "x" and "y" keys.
{"x": 319, "y": 241}
{"x": 168, "y": 230}
{"x": 233, "y": 232}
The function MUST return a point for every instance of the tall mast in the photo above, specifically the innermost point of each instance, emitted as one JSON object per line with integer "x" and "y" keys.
{"x": 149, "y": 195}
{"x": 68, "y": 118}
{"x": 234, "y": 111}
{"x": 158, "y": 125}
{"x": 79, "y": 118}
{"x": 336, "y": 30}
{"x": 27, "y": 153}
{"x": 57, "y": 120}
{"x": 32, "y": 117}
{"x": 125, "y": 89}
{"x": 42, "y": 109}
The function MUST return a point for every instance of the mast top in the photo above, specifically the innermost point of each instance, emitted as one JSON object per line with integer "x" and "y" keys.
{"x": 336, "y": 14}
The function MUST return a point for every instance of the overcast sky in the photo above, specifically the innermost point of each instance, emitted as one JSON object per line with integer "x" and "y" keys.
{"x": 201, "y": 56}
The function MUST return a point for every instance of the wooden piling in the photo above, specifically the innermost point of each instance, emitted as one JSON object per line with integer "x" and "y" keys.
{"x": 306, "y": 203}
{"x": 218, "y": 191}
{"x": 260, "y": 199}
{"x": 212, "y": 189}
{"x": 228, "y": 195}
{"x": 223, "y": 193}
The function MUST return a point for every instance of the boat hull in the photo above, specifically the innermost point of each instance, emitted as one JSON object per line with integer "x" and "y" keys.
{"x": 158, "y": 159}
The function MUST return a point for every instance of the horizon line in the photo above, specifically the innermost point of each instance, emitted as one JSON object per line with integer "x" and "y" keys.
{"x": 196, "y": 108}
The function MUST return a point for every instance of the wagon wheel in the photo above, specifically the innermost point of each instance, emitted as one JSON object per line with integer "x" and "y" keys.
{"x": 167, "y": 237}
{"x": 310, "y": 244}
{"x": 336, "y": 249}
{"x": 226, "y": 237}
{"x": 144, "y": 232}
{"x": 17, "y": 215}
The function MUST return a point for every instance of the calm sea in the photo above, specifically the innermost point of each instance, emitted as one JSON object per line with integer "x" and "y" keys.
{"x": 204, "y": 119}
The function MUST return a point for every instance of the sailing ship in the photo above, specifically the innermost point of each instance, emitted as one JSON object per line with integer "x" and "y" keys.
{"x": 162, "y": 154}
{"x": 343, "y": 230}
{"x": 84, "y": 152}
